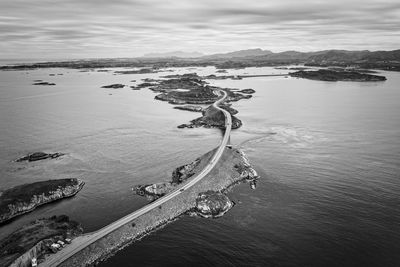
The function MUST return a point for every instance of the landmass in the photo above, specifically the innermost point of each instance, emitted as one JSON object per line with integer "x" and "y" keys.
{"x": 190, "y": 90}
{"x": 212, "y": 202}
{"x": 25, "y": 198}
{"x": 232, "y": 168}
{"x": 34, "y": 240}
{"x": 39, "y": 156}
{"x": 333, "y": 75}
{"x": 364, "y": 59}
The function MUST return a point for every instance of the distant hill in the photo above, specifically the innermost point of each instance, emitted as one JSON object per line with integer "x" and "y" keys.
{"x": 384, "y": 60}
{"x": 239, "y": 54}
{"x": 179, "y": 54}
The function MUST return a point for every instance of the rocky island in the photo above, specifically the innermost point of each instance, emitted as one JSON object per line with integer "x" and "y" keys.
{"x": 43, "y": 83}
{"x": 212, "y": 204}
{"x": 39, "y": 156}
{"x": 25, "y": 198}
{"x": 192, "y": 108}
{"x": 114, "y": 86}
{"x": 333, "y": 76}
{"x": 35, "y": 240}
{"x": 213, "y": 117}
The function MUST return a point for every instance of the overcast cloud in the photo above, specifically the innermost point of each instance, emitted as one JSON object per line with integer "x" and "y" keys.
{"x": 125, "y": 28}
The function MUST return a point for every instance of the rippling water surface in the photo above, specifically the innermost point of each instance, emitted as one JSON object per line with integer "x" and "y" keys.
{"x": 328, "y": 155}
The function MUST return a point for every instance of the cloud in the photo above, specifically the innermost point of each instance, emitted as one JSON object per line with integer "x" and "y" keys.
{"x": 123, "y": 28}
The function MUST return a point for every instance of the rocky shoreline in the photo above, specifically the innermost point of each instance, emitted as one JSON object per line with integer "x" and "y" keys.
{"x": 209, "y": 203}
{"x": 27, "y": 197}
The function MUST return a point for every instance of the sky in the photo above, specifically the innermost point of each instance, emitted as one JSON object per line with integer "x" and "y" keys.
{"x": 69, "y": 29}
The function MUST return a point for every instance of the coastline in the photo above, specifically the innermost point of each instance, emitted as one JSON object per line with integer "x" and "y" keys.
{"x": 220, "y": 178}
{"x": 39, "y": 200}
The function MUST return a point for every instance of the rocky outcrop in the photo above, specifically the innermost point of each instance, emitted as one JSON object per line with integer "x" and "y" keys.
{"x": 43, "y": 83}
{"x": 25, "y": 198}
{"x": 179, "y": 175}
{"x": 154, "y": 191}
{"x": 212, "y": 204}
{"x": 190, "y": 108}
{"x": 114, "y": 86}
{"x": 39, "y": 156}
{"x": 184, "y": 172}
{"x": 247, "y": 91}
{"x": 245, "y": 169}
{"x": 213, "y": 117}
{"x": 142, "y": 85}
{"x": 333, "y": 76}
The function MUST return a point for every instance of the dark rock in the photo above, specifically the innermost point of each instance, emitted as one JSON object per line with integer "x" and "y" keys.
{"x": 247, "y": 91}
{"x": 39, "y": 156}
{"x": 114, "y": 86}
{"x": 43, "y": 83}
{"x": 221, "y": 71}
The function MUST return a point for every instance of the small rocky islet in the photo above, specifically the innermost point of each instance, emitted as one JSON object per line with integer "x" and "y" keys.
{"x": 39, "y": 156}
{"x": 114, "y": 86}
{"x": 43, "y": 83}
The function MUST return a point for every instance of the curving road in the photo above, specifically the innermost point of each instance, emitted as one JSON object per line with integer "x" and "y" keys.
{"x": 83, "y": 241}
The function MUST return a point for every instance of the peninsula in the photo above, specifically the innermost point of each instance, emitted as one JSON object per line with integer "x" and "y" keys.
{"x": 25, "y": 198}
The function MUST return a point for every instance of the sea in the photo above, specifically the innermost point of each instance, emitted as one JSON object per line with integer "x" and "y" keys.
{"x": 328, "y": 156}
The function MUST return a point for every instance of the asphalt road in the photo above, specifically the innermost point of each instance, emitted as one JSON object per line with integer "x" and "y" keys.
{"x": 83, "y": 241}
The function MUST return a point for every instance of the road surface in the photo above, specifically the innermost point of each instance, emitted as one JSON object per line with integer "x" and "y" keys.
{"x": 83, "y": 241}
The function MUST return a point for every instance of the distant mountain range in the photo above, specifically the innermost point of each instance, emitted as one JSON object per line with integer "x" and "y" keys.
{"x": 178, "y": 54}
{"x": 257, "y": 57}
{"x": 389, "y": 60}
{"x": 241, "y": 53}
{"x": 385, "y": 60}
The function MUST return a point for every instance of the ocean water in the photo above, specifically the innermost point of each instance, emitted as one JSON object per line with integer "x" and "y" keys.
{"x": 328, "y": 154}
